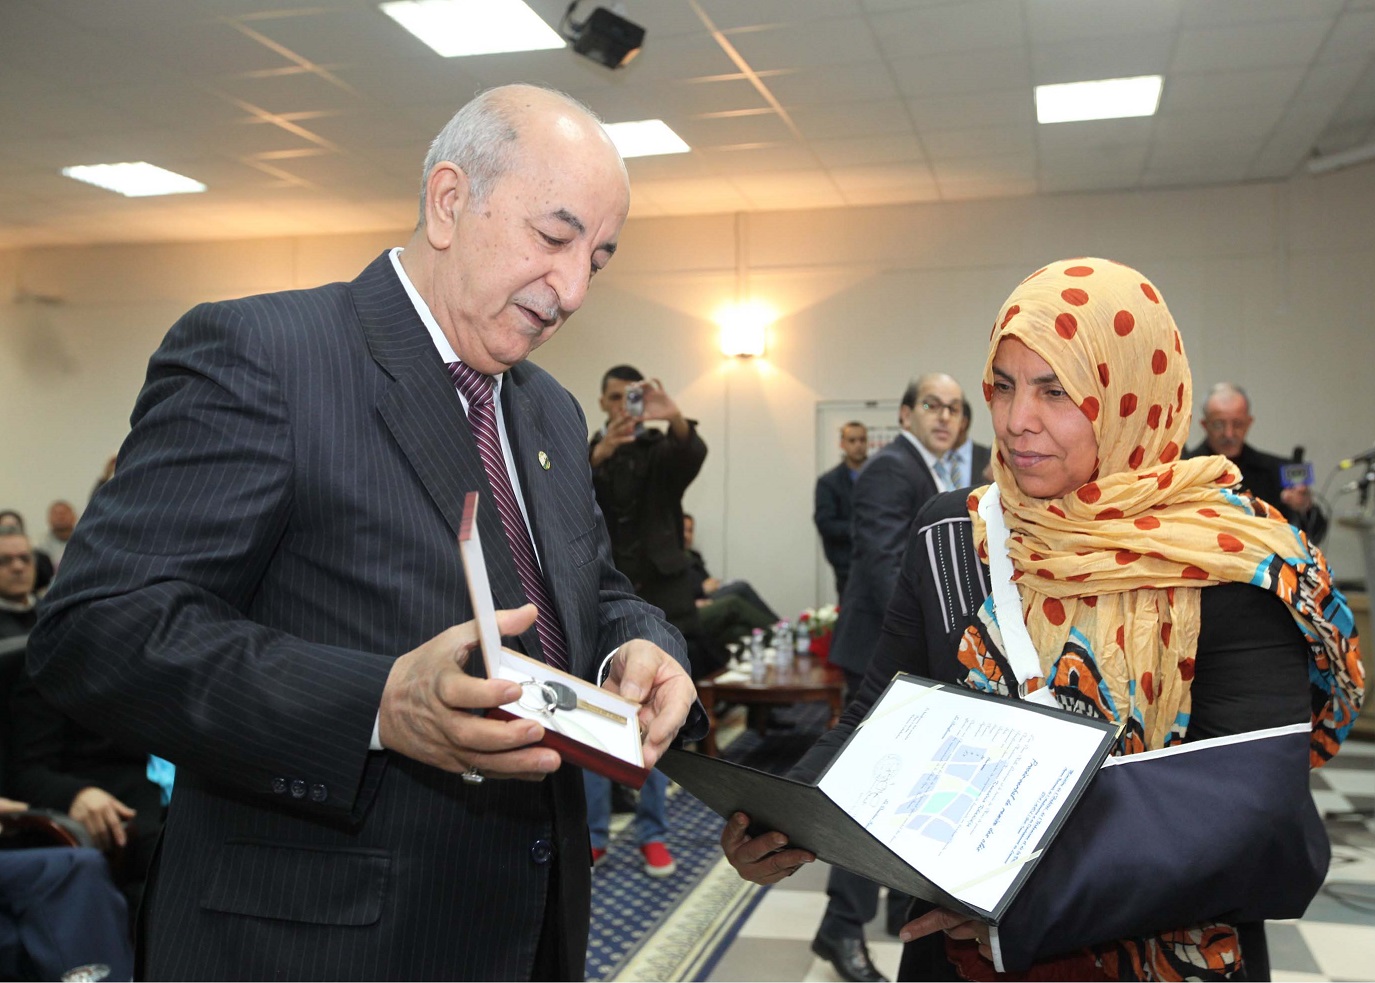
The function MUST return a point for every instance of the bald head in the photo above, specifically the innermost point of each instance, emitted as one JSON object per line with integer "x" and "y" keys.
{"x": 1226, "y": 419}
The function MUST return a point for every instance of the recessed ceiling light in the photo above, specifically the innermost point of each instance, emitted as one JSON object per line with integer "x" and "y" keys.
{"x": 645, "y": 138}
{"x": 134, "y": 180}
{"x": 1103, "y": 99}
{"x": 474, "y": 27}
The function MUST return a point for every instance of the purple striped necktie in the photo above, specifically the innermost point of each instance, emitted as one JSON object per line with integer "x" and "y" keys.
{"x": 482, "y": 420}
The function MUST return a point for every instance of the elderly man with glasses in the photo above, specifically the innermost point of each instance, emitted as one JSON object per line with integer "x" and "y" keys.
{"x": 1226, "y": 421}
{"x": 888, "y": 494}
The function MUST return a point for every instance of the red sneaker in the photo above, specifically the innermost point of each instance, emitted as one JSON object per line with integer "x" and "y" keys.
{"x": 598, "y": 855}
{"x": 658, "y": 861}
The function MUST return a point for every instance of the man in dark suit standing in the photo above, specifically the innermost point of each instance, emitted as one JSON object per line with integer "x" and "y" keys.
{"x": 889, "y": 493}
{"x": 269, "y": 593}
{"x": 834, "y": 491}
{"x": 967, "y": 461}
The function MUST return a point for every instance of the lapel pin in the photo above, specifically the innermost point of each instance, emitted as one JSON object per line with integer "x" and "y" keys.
{"x": 544, "y": 461}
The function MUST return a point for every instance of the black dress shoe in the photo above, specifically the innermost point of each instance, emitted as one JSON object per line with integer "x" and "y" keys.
{"x": 850, "y": 957}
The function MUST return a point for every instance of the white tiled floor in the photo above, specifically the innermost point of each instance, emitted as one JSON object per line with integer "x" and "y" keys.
{"x": 1335, "y": 941}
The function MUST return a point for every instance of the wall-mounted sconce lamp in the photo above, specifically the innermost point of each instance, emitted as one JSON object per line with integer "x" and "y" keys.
{"x": 743, "y": 328}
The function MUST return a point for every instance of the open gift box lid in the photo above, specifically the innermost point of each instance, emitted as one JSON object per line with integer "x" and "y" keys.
{"x": 586, "y": 724}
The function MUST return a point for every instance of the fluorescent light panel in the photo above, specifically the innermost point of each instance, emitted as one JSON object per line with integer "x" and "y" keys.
{"x": 134, "y": 180}
{"x": 474, "y": 27}
{"x": 1102, "y": 99}
{"x": 645, "y": 138}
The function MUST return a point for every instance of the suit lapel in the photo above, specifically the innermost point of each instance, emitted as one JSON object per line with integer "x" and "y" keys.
{"x": 423, "y": 413}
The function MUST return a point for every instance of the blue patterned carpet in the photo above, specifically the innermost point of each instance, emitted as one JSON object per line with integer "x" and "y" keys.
{"x": 677, "y": 927}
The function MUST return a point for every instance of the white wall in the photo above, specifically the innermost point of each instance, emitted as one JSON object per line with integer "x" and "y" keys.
{"x": 1271, "y": 286}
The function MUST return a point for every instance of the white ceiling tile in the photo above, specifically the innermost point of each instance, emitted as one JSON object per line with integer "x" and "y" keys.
{"x": 985, "y": 141}
{"x": 1239, "y": 123}
{"x": 874, "y": 149}
{"x": 837, "y": 41}
{"x": 858, "y": 119}
{"x": 1124, "y": 57}
{"x": 1229, "y": 156}
{"x": 153, "y": 80}
{"x": 1217, "y": 12}
{"x": 730, "y": 131}
{"x": 1329, "y": 82}
{"x": 1352, "y": 37}
{"x": 729, "y": 15}
{"x": 823, "y": 85}
{"x": 990, "y": 169}
{"x": 965, "y": 26}
{"x": 1009, "y": 107}
{"x": 1184, "y": 92}
{"x": 1268, "y": 45}
{"x": 991, "y": 70}
{"x": 1055, "y": 22}
{"x": 916, "y": 177}
{"x": 782, "y": 156}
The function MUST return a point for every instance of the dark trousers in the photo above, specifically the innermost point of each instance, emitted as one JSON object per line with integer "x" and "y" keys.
{"x": 852, "y": 901}
{"x": 60, "y": 910}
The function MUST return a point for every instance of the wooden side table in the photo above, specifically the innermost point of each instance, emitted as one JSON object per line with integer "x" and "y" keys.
{"x": 805, "y": 681}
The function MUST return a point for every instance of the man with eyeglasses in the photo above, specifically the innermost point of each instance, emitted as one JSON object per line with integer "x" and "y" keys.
{"x": 17, "y": 576}
{"x": 1226, "y": 421}
{"x": 888, "y": 494}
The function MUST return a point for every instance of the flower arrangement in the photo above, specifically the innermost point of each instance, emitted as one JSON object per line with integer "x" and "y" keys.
{"x": 820, "y": 621}
{"x": 820, "y": 624}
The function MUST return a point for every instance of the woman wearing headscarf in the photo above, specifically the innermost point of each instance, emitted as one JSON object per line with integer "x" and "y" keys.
{"x": 1102, "y": 573}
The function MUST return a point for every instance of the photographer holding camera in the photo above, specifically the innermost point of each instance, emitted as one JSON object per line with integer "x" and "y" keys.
{"x": 639, "y": 474}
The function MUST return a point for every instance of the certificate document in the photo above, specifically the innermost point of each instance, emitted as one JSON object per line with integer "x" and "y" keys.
{"x": 941, "y": 792}
{"x": 966, "y": 790}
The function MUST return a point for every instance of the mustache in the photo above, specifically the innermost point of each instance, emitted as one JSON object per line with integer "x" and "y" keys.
{"x": 547, "y": 311}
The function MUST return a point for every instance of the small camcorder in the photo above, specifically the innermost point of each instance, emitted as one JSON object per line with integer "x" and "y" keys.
{"x": 1297, "y": 474}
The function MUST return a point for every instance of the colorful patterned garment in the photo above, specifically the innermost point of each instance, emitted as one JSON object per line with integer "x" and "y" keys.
{"x": 1109, "y": 575}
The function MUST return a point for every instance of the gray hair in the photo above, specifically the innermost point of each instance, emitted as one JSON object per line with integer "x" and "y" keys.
{"x": 1228, "y": 389}
{"x": 482, "y": 139}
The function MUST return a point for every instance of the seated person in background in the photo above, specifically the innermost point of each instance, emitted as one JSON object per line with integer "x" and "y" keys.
{"x": 60, "y": 765}
{"x": 1226, "y": 421}
{"x": 59, "y": 911}
{"x": 711, "y": 589}
{"x": 725, "y": 612}
{"x": 1137, "y": 613}
{"x": 12, "y": 524}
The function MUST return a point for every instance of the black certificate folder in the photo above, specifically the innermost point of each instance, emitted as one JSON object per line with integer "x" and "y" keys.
{"x": 944, "y": 793}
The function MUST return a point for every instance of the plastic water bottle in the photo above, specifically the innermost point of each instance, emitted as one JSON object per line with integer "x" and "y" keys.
{"x": 758, "y": 667}
{"x": 783, "y": 642}
{"x": 802, "y": 639}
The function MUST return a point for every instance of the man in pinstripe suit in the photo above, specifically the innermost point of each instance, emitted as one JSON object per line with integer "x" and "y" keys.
{"x": 269, "y": 592}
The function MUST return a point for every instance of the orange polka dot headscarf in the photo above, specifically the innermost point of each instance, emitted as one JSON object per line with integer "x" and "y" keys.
{"x": 1109, "y": 573}
{"x": 1107, "y": 332}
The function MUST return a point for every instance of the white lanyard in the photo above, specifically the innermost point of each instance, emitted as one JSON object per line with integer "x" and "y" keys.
{"x": 1007, "y": 602}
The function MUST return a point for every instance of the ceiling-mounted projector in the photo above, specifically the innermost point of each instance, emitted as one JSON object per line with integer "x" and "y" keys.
{"x": 605, "y": 37}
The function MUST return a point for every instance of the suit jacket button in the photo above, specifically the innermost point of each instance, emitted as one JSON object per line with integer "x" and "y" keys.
{"x": 318, "y": 793}
{"x": 298, "y": 789}
{"x": 279, "y": 786}
{"x": 542, "y": 852}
